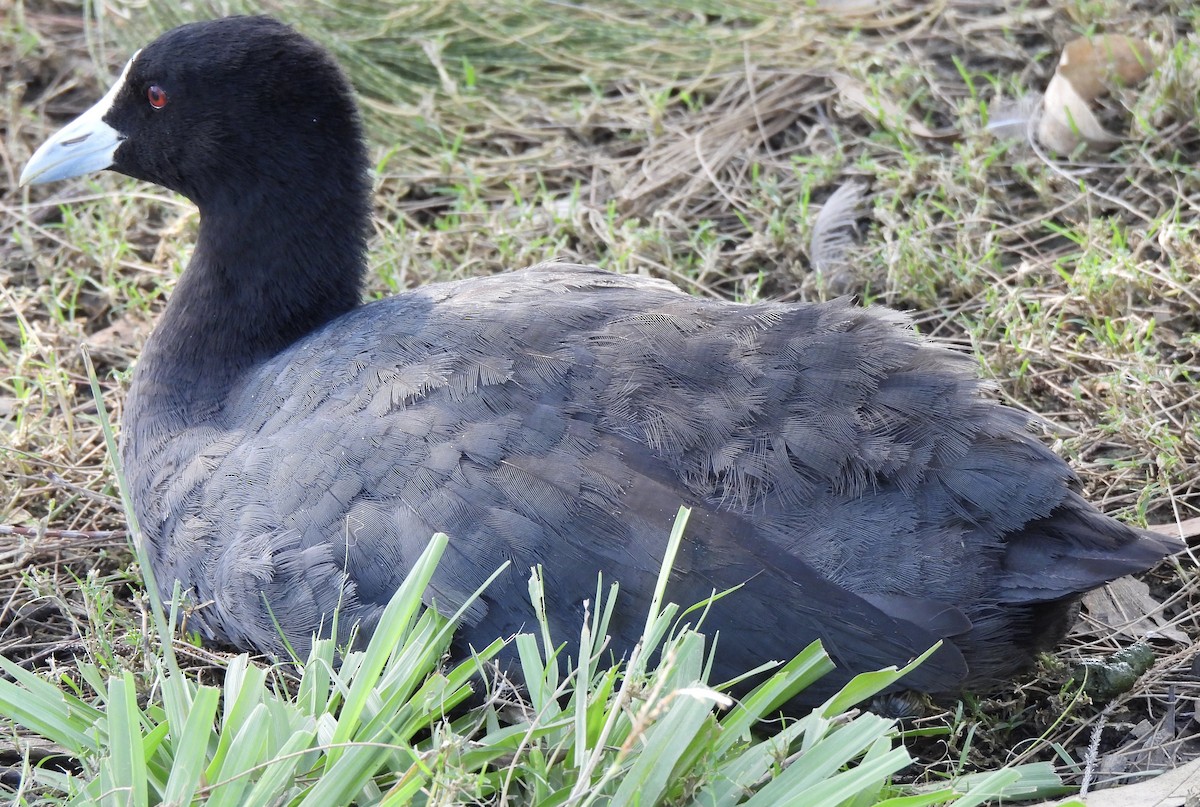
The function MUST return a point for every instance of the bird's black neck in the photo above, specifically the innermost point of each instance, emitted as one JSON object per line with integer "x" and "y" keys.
{"x": 266, "y": 271}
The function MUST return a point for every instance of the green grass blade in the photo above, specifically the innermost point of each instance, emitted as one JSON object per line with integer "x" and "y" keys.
{"x": 865, "y": 778}
{"x": 664, "y": 575}
{"x": 430, "y": 640}
{"x": 158, "y": 765}
{"x": 824, "y": 758}
{"x": 403, "y": 792}
{"x": 807, "y": 667}
{"x": 126, "y": 761}
{"x": 191, "y": 747}
{"x": 868, "y": 793}
{"x": 316, "y": 683}
{"x": 243, "y": 692}
{"x": 247, "y": 752}
{"x": 664, "y": 746}
{"x": 869, "y": 684}
{"x": 178, "y": 697}
{"x": 1034, "y": 780}
{"x": 46, "y": 710}
{"x": 349, "y": 775}
{"x": 987, "y": 788}
{"x": 164, "y": 629}
{"x": 537, "y": 673}
{"x": 537, "y": 598}
{"x": 278, "y": 775}
{"x": 735, "y": 777}
{"x": 922, "y": 800}
{"x": 583, "y": 679}
{"x": 394, "y": 622}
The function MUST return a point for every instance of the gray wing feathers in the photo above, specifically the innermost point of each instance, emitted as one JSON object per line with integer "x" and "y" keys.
{"x": 561, "y": 415}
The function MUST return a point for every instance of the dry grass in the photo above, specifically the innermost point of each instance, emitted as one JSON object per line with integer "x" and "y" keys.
{"x": 513, "y": 137}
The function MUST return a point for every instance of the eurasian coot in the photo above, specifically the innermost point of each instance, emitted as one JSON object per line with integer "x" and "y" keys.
{"x": 290, "y": 450}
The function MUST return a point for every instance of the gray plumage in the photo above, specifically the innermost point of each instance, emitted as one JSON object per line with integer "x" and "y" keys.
{"x": 845, "y": 472}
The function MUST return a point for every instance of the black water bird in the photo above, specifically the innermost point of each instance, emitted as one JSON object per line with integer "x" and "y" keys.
{"x": 286, "y": 444}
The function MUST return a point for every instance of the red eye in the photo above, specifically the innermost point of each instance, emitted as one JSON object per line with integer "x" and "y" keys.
{"x": 157, "y": 96}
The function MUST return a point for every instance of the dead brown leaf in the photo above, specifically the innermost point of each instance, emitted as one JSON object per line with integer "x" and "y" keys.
{"x": 879, "y": 108}
{"x": 1125, "y": 607}
{"x": 1087, "y": 70}
{"x": 119, "y": 338}
{"x": 1174, "y": 788}
{"x": 1189, "y": 528}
